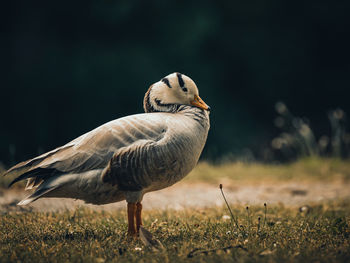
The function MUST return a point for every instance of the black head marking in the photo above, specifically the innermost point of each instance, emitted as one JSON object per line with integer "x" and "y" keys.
{"x": 147, "y": 101}
{"x": 166, "y": 81}
{"x": 181, "y": 81}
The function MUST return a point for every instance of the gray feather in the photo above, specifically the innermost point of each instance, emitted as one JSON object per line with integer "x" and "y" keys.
{"x": 143, "y": 152}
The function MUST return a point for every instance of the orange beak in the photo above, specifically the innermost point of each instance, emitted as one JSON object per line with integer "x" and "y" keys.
{"x": 198, "y": 102}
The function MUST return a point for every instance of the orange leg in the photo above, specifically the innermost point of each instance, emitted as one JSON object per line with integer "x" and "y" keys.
{"x": 138, "y": 216}
{"x": 131, "y": 219}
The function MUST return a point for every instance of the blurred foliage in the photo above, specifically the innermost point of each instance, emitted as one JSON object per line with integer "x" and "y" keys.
{"x": 304, "y": 170}
{"x": 68, "y": 67}
{"x": 298, "y": 140}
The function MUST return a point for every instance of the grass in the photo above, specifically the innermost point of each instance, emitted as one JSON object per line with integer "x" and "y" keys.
{"x": 308, "y": 169}
{"x": 320, "y": 234}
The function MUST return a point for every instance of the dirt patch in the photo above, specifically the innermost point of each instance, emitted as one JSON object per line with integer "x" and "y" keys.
{"x": 200, "y": 195}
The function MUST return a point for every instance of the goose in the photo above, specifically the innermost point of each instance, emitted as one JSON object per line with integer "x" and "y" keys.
{"x": 127, "y": 157}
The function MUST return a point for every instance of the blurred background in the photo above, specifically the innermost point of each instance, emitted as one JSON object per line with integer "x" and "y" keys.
{"x": 275, "y": 73}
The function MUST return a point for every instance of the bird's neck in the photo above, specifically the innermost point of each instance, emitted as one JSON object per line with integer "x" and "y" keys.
{"x": 197, "y": 114}
{"x": 154, "y": 105}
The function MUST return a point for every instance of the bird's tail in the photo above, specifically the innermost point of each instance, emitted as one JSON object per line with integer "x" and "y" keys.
{"x": 47, "y": 187}
{"x": 40, "y": 192}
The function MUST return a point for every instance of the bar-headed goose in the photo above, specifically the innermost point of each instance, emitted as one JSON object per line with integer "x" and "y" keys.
{"x": 128, "y": 157}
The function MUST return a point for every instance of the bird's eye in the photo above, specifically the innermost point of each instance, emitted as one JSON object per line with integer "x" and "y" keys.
{"x": 184, "y": 89}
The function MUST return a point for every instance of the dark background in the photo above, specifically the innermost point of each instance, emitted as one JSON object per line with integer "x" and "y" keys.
{"x": 68, "y": 67}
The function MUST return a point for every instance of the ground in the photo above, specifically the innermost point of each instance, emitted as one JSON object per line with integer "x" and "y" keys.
{"x": 306, "y": 218}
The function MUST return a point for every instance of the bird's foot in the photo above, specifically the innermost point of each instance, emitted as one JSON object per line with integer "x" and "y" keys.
{"x": 132, "y": 234}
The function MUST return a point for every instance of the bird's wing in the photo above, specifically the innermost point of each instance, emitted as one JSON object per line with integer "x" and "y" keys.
{"x": 139, "y": 165}
{"x": 135, "y": 167}
{"x": 94, "y": 149}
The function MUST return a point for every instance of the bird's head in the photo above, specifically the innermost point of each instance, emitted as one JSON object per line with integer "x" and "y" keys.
{"x": 174, "y": 89}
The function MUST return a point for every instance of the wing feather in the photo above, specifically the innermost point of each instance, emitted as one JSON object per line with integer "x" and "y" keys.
{"x": 94, "y": 149}
{"x": 135, "y": 167}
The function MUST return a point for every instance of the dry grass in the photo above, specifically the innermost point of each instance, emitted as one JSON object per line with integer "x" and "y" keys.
{"x": 309, "y": 169}
{"x": 319, "y": 234}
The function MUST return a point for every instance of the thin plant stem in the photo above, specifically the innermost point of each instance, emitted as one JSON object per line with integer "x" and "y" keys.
{"x": 248, "y": 218}
{"x": 229, "y": 208}
{"x": 265, "y": 214}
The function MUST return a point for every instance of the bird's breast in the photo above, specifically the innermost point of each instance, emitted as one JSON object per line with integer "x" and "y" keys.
{"x": 180, "y": 153}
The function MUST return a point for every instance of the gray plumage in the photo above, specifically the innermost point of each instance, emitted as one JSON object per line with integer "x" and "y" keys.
{"x": 122, "y": 159}
{"x": 138, "y": 153}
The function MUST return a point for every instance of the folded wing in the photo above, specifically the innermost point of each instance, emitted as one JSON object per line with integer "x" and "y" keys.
{"x": 92, "y": 150}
